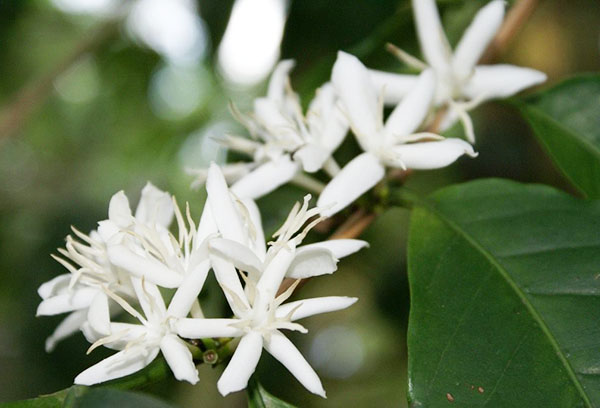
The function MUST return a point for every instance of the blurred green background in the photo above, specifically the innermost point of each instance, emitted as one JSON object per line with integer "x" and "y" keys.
{"x": 121, "y": 114}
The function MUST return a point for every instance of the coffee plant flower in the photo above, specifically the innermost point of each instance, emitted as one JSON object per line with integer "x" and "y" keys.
{"x": 284, "y": 141}
{"x": 397, "y": 143}
{"x": 503, "y": 276}
{"x": 461, "y": 83}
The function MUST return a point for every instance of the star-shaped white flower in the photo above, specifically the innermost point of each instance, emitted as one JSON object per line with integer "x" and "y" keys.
{"x": 259, "y": 312}
{"x": 152, "y": 252}
{"x": 394, "y": 144}
{"x": 139, "y": 344}
{"x": 284, "y": 142}
{"x": 241, "y": 243}
{"x": 81, "y": 291}
{"x": 462, "y": 85}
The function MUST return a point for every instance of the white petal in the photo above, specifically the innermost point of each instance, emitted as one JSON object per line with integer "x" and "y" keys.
{"x": 242, "y": 364}
{"x": 188, "y": 291}
{"x": 406, "y": 118}
{"x": 222, "y": 206}
{"x": 271, "y": 115}
{"x": 314, "y": 306}
{"x": 99, "y": 314}
{"x": 434, "y": 43}
{"x": 106, "y": 230}
{"x": 395, "y": 86}
{"x": 265, "y": 178}
{"x": 155, "y": 207}
{"x": 240, "y": 255}
{"x": 119, "y": 211}
{"x": 150, "y": 298}
{"x": 275, "y": 272}
{"x": 69, "y": 301}
{"x": 432, "y": 155}
{"x": 355, "y": 179}
{"x": 358, "y": 96}
{"x": 312, "y": 157}
{"x": 54, "y": 286}
{"x": 279, "y": 78}
{"x": 179, "y": 358}
{"x": 126, "y": 333}
{"x": 149, "y": 268}
{"x": 70, "y": 324}
{"x": 288, "y": 355}
{"x": 310, "y": 262}
{"x": 118, "y": 365}
{"x": 340, "y": 248}
{"x": 228, "y": 278}
{"x": 501, "y": 81}
{"x": 477, "y": 37}
{"x": 255, "y": 228}
{"x": 207, "y": 225}
{"x": 326, "y": 121}
{"x": 207, "y": 328}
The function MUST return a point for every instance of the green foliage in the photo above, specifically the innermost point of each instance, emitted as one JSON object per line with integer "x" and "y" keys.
{"x": 258, "y": 397}
{"x": 80, "y": 397}
{"x": 566, "y": 120}
{"x": 505, "y": 297}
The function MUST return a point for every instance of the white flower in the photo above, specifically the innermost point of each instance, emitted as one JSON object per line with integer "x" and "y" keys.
{"x": 242, "y": 244}
{"x": 259, "y": 313}
{"x": 394, "y": 144}
{"x": 139, "y": 344}
{"x": 284, "y": 141}
{"x": 151, "y": 252}
{"x": 82, "y": 290}
{"x": 461, "y": 83}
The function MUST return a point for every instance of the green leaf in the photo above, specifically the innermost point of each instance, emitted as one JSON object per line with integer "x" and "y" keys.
{"x": 79, "y": 396}
{"x": 107, "y": 397}
{"x": 258, "y": 397}
{"x": 566, "y": 120}
{"x": 505, "y": 298}
{"x": 154, "y": 372}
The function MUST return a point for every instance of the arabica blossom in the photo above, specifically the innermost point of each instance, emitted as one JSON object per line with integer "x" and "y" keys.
{"x": 284, "y": 141}
{"x": 82, "y": 291}
{"x": 259, "y": 313}
{"x": 241, "y": 242}
{"x": 461, "y": 84}
{"x": 152, "y": 252}
{"x": 394, "y": 144}
{"x": 139, "y": 344}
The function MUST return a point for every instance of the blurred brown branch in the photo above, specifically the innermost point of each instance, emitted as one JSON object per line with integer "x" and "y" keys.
{"x": 514, "y": 21}
{"x": 14, "y": 115}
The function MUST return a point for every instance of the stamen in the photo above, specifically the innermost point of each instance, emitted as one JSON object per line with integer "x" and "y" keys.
{"x": 107, "y": 339}
{"x": 125, "y": 305}
{"x": 405, "y": 57}
{"x": 465, "y": 119}
{"x": 238, "y": 303}
{"x": 286, "y": 294}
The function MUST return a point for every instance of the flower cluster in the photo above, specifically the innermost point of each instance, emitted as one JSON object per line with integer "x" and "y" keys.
{"x": 285, "y": 144}
{"x": 128, "y": 266}
{"x": 120, "y": 268}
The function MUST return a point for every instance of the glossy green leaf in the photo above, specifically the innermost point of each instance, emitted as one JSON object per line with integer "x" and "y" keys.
{"x": 258, "y": 397}
{"x": 85, "y": 397}
{"x": 505, "y": 298}
{"x": 566, "y": 120}
{"x": 154, "y": 372}
{"x": 107, "y": 397}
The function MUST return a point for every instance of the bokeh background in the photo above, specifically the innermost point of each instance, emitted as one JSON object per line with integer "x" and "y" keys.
{"x": 102, "y": 95}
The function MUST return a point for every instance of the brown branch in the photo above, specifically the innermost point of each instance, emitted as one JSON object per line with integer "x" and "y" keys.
{"x": 35, "y": 93}
{"x": 515, "y": 19}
